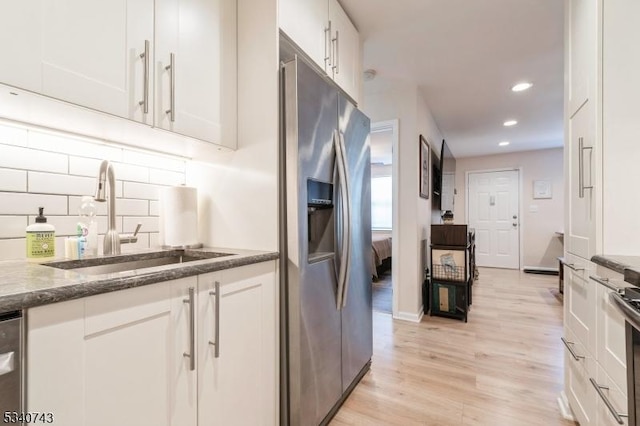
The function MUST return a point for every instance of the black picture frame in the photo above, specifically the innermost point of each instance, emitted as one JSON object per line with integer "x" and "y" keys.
{"x": 425, "y": 166}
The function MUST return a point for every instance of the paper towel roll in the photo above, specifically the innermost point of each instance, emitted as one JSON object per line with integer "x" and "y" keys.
{"x": 179, "y": 214}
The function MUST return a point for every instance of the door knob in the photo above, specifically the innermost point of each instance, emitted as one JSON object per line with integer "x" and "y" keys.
{"x": 515, "y": 224}
{"x": 515, "y": 216}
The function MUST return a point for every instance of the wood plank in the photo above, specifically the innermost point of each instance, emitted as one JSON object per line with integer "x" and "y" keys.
{"x": 503, "y": 367}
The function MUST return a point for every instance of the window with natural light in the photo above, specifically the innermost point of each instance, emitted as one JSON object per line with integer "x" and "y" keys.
{"x": 381, "y": 202}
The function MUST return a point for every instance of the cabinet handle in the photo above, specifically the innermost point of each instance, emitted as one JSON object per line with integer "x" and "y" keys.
{"x": 573, "y": 267}
{"x": 327, "y": 48}
{"x": 144, "y": 103}
{"x": 216, "y": 342}
{"x": 573, "y": 354}
{"x": 192, "y": 329}
{"x": 172, "y": 87}
{"x": 336, "y": 53}
{"x": 606, "y": 401}
{"x": 605, "y": 282}
{"x": 581, "y": 149}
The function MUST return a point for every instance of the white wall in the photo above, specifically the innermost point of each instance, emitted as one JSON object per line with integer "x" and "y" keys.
{"x": 412, "y": 219}
{"x": 239, "y": 191}
{"x": 55, "y": 169}
{"x": 541, "y": 246}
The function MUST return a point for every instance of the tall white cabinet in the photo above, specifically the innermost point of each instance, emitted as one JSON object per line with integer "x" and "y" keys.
{"x": 601, "y": 171}
{"x": 322, "y": 29}
{"x": 147, "y": 355}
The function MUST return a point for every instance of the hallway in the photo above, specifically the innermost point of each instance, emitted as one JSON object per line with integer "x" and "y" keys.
{"x": 503, "y": 367}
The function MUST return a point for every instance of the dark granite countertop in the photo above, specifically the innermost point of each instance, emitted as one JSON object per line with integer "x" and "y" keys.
{"x": 25, "y": 285}
{"x": 627, "y": 265}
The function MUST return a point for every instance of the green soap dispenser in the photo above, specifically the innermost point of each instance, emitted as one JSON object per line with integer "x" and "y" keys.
{"x": 41, "y": 239}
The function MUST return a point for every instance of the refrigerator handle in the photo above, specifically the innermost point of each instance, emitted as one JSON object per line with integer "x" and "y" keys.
{"x": 347, "y": 221}
{"x": 345, "y": 207}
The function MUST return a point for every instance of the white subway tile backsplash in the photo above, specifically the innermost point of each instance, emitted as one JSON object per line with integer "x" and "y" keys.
{"x": 82, "y": 166}
{"x": 15, "y": 203}
{"x": 49, "y": 183}
{"x": 73, "y": 146}
{"x": 143, "y": 191}
{"x": 165, "y": 177}
{"x": 12, "y": 226}
{"x": 127, "y": 207}
{"x": 154, "y": 240}
{"x": 16, "y": 157}
{"x": 149, "y": 224}
{"x": 10, "y": 135}
{"x": 13, "y": 249}
{"x": 74, "y": 205}
{"x": 52, "y": 170}
{"x": 152, "y": 160}
{"x": 154, "y": 208}
{"x": 13, "y": 180}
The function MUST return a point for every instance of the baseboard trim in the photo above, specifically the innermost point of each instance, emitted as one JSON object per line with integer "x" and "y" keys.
{"x": 408, "y": 316}
{"x": 565, "y": 409}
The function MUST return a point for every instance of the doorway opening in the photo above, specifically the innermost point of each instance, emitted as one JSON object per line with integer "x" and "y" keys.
{"x": 493, "y": 210}
{"x": 384, "y": 139}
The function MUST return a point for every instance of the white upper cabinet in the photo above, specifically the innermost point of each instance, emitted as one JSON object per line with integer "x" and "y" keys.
{"x": 93, "y": 54}
{"x": 20, "y": 44}
{"x": 345, "y": 45}
{"x": 196, "y": 68}
{"x": 322, "y": 29}
{"x": 582, "y": 28}
{"x": 307, "y": 23}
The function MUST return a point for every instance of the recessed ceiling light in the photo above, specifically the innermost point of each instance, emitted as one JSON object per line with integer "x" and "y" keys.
{"x": 504, "y": 143}
{"x": 521, "y": 86}
{"x": 510, "y": 123}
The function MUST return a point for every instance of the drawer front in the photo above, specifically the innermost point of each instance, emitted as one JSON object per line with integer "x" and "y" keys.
{"x": 580, "y": 392}
{"x": 580, "y": 301}
{"x": 614, "y": 396}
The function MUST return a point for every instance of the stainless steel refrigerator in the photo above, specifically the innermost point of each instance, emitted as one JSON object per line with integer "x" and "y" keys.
{"x": 326, "y": 210}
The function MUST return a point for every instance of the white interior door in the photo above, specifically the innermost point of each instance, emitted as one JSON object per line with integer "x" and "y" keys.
{"x": 493, "y": 199}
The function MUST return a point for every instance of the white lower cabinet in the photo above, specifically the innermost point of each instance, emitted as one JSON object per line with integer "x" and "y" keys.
{"x": 579, "y": 365}
{"x": 237, "y": 385}
{"x": 611, "y": 407}
{"x": 125, "y": 358}
{"x": 580, "y": 301}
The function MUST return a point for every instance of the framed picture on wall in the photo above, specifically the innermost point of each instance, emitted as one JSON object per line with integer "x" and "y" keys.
{"x": 425, "y": 165}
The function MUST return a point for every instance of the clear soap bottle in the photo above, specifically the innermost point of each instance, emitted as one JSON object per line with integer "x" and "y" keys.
{"x": 87, "y": 228}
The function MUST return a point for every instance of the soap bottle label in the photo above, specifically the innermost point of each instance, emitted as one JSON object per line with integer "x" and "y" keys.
{"x": 41, "y": 244}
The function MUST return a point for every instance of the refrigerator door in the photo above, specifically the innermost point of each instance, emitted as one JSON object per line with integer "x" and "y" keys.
{"x": 357, "y": 327}
{"x": 313, "y": 320}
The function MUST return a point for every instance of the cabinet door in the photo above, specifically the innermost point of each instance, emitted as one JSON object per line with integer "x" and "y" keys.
{"x": 196, "y": 96}
{"x": 580, "y": 300}
{"x": 581, "y": 152}
{"x": 91, "y": 54}
{"x": 611, "y": 347}
{"x": 20, "y": 44}
{"x": 239, "y": 387}
{"x": 305, "y": 22}
{"x": 580, "y": 392}
{"x": 582, "y": 27}
{"x": 615, "y": 396}
{"x": 345, "y": 45}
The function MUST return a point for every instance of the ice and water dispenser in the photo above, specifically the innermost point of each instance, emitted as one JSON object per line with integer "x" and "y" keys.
{"x": 320, "y": 220}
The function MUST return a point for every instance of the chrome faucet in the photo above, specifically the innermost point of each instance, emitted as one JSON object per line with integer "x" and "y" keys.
{"x": 106, "y": 190}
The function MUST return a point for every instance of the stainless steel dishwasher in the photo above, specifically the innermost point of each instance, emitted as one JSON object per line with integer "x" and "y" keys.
{"x": 11, "y": 363}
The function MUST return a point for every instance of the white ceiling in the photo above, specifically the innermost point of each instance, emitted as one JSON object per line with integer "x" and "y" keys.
{"x": 465, "y": 55}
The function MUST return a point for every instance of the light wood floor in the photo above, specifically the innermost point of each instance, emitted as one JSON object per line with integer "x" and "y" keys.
{"x": 503, "y": 367}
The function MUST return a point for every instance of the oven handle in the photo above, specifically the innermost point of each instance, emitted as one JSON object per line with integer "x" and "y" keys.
{"x": 630, "y": 314}
{"x": 606, "y": 401}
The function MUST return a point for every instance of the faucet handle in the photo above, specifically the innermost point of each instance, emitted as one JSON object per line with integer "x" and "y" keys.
{"x": 129, "y": 238}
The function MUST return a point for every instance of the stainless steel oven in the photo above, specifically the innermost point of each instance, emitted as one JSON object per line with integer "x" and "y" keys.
{"x": 11, "y": 364}
{"x": 629, "y": 304}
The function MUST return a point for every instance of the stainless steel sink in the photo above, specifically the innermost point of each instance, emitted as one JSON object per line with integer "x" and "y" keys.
{"x": 113, "y": 264}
